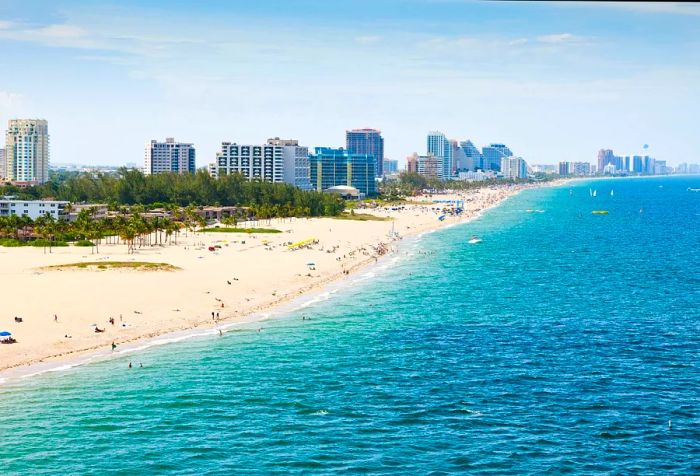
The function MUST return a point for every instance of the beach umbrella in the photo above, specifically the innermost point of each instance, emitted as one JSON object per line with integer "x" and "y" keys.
{"x": 310, "y": 264}
{"x": 5, "y": 334}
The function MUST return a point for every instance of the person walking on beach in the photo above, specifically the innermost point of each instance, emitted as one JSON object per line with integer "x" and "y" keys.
{"x": 114, "y": 346}
{"x": 55, "y": 318}
{"x": 217, "y": 315}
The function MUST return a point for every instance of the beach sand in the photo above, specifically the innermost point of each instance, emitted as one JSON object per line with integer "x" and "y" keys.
{"x": 262, "y": 271}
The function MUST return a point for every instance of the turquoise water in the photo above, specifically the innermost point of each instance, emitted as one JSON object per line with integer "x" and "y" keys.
{"x": 564, "y": 343}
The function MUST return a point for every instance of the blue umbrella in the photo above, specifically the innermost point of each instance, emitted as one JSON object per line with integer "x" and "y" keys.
{"x": 5, "y": 334}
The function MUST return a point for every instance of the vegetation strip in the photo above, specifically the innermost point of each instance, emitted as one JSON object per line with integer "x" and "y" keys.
{"x": 361, "y": 217}
{"x": 137, "y": 265}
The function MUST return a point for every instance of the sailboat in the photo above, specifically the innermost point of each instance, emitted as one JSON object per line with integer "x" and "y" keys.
{"x": 590, "y": 192}
{"x": 595, "y": 193}
{"x": 612, "y": 193}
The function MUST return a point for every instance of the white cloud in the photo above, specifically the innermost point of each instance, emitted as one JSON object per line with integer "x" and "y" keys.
{"x": 559, "y": 38}
{"x": 368, "y": 40}
{"x": 518, "y": 41}
{"x": 672, "y": 8}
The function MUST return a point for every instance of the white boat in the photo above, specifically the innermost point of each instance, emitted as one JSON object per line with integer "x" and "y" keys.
{"x": 474, "y": 240}
{"x": 612, "y": 193}
{"x": 595, "y": 193}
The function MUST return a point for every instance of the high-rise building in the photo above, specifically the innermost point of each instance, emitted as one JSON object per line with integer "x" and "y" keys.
{"x": 439, "y": 146}
{"x": 332, "y": 167}
{"x": 431, "y": 166}
{"x": 513, "y": 168}
{"x": 581, "y": 168}
{"x": 254, "y": 162}
{"x": 412, "y": 163}
{"x": 459, "y": 158}
{"x": 3, "y": 168}
{"x": 637, "y": 164}
{"x": 649, "y": 165}
{"x": 369, "y": 142}
{"x": 565, "y": 168}
{"x": 169, "y": 156}
{"x": 296, "y": 162}
{"x": 574, "y": 168}
{"x": 27, "y": 150}
{"x": 474, "y": 159}
{"x": 493, "y": 153}
{"x": 605, "y": 157}
{"x": 391, "y": 166}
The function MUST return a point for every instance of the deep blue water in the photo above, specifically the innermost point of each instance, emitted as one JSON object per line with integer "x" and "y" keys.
{"x": 564, "y": 343}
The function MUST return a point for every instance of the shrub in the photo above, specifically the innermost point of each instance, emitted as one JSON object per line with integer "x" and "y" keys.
{"x": 42, "y": 243}
{"x": 11, "y": 242}
{"x": 84, "y": 243}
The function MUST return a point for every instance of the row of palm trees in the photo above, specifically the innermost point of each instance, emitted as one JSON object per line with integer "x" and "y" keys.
{"x": 129, "y": 227}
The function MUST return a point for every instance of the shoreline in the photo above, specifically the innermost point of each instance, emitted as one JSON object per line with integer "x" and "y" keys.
{"x": 288, "y": 302}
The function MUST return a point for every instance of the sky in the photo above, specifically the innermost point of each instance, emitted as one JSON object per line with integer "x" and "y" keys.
{"x": 553, "y": 81}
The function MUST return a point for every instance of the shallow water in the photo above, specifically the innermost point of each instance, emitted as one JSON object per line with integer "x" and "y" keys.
{"x": 564, "y": 342}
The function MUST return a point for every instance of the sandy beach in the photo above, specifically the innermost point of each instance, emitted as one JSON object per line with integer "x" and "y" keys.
{"x": 60, "y": 309}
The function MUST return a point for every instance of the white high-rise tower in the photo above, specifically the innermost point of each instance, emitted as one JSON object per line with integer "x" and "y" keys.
{"x": 27, "y": 150}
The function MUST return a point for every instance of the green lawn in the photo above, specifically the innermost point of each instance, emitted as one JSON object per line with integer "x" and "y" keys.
{"x": 135, "y": 265}
{"x": 361, "y": 217}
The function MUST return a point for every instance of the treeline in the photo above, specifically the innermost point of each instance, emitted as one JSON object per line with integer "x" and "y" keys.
{"x": 411, "y": 183}
{"x": 131, "y": 187}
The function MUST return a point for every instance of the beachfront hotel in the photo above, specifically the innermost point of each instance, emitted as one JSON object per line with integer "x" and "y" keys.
{"x": 254, "y": 162}
{"x": 367, "y": 141}
{"x": 296, "y": 170}
{"x": 27, "y": 151}
{"x": 513, "y": 168}
{"x": 333, "y": 167}
{"x": 440, "y": 147}
{"x": 492, "y": 155}
{"x": 169, "y": 156}
{"x": 32, "y": 208}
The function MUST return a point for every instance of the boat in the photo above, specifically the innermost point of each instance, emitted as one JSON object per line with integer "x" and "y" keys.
{"x": 693, "y": 189}
{"x": 595, "y": 193}
{"x": 600, "y": 212}
{"x": 612, "y": 193}
{"x": 474, "y": 240}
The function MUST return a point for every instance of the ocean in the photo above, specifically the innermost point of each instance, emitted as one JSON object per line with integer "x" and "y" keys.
{"x": 564, "y": 342}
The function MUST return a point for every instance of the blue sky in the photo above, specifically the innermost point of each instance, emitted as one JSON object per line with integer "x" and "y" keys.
{"x": 554, "y": 81}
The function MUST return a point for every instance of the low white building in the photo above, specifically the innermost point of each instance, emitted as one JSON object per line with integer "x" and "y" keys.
{"x": 477, "y": 176}
{"x": 32, "y": 208}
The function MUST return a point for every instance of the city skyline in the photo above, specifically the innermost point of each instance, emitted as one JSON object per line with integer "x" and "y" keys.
{"x": 252, "y": 70}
